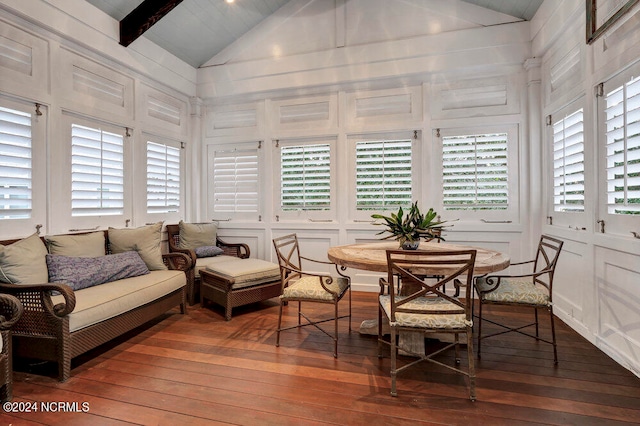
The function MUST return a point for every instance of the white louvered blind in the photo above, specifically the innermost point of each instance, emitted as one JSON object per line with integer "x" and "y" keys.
{"x": 163, "y": 178}
{"x": 568, "y": 163}
{"x": 235, "y": 181}
{"x": 383, "y": 174}
{"x": 15, "y": 164}
{"x": 623, "y": 148}
{"x": 475, "y": 172}
{"x": 97, "y": 172}
{"x": 305, "y": 177}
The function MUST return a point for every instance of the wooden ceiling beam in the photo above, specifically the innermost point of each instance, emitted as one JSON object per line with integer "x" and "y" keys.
{"x": 143, "y": 17}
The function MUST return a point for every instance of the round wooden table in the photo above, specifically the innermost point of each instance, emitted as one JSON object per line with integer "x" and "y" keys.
{"x": 373, "y": 256}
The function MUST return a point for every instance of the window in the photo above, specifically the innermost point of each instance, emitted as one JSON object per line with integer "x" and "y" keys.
{"x": 97, "y": 172}
{"x": 475, "y": 172}
{"x": 622, "y": 132}
{"x": 568, "y": 163}
{"x": 234, "y": 177}
{"x": 16, "y": 166}
{"x": 163, "y": 178}
{"x": 305, "y": 177}
{"x": 383, "y": 174}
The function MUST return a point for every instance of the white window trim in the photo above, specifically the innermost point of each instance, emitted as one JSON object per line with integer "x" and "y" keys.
{"x": 223, "y": 216}
{"x": 281, "y": 215}
{"x": 565, "y": 218}
{"x": 356, "y": 215}
{"x": 508, "y": 215}
{"x": 621, "y": 224}
{"x": 18, "y": 228}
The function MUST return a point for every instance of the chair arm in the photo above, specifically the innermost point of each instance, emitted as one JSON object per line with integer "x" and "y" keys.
{"x": 178, "y": 261}
{"x": 491, "y": 279}
{"x": 38, "y": 297}
{"x": 384, "y": 285}
{"x": 10, "y": 311}
{"x": 240, "y": 250}
{"x": 321, "y": 277}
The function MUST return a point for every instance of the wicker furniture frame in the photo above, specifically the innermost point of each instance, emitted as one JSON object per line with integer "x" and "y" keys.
{"x": 219, "y": 290}
{"x": 193, "y": 283}
{"x": 43, "y": 330}
{"x": 10, "y": 312}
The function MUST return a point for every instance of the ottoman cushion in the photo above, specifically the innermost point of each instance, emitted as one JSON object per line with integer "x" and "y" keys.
{"x": 246, "y": 272}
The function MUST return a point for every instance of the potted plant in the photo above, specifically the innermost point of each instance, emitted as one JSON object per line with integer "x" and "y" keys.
{"x": 410, "y": 228}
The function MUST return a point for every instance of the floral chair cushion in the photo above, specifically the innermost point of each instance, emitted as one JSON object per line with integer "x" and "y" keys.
{"x": 515, "y": 290}
{"x": 426, "y": 320}
{"x": 308, "y": 287}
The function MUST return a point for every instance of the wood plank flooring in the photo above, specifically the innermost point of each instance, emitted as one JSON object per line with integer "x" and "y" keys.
{"x": 199, "y": 369}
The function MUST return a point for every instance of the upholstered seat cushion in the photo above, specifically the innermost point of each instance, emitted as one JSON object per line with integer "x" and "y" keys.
{"x": 309, "y": 287}
{"x": 205, "y": 262}
{"x": 98, "y": 303}
{"x": 245, "y": 272}
{"x": 426, "y": 319}
{"x": 515, "y": 290}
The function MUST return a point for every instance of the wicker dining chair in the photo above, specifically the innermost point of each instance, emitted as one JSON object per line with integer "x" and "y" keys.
{"x": 423, "y": 305}
{"x": 10, "y": 311}
{"x": 526, "y": 291}
{"x": 300, "y": 286}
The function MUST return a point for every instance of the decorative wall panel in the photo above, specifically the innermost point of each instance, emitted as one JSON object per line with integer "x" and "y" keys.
{"x": 23, "y": 61}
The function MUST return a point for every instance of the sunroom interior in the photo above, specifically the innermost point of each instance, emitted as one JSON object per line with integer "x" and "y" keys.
{"x": 263, "y": 129}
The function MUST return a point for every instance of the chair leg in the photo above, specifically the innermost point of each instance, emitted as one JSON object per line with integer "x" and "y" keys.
{"x": 335, "y": 336}
{"x": 279, "y": 325}
{"x": 472, "y": 369}
{"x": 380, "y": 336}
{"x": 536, "y": 315}
{"x": 394, "y": 372}
{"x": 479, "y": 327}
{"x": 553, "y": 337}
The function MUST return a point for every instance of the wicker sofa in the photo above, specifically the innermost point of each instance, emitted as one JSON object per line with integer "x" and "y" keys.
{"x": 10, "y": 312}
{"x": 60, "y": 323}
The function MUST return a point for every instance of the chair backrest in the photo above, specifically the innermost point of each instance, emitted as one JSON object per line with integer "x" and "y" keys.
{"x": 288, "y": 252}
{"x": 173, "y": 235}
{"x": 546, "y": 259}
{"x": 411, "y": 267}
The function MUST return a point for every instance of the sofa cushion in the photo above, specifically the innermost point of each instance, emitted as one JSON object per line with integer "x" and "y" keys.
{"x": 208, "y": 251}
{"x": 83, "y": 272}
{"x": 24, "y": 262}
{"x": 246, "y": 272}
{"x": 146, "y": 240}
{"x": 194, "y": 235}
{"x": 77, "y": 245}
{"x": 204, "y": 262}
{"x": 98, "y": 303}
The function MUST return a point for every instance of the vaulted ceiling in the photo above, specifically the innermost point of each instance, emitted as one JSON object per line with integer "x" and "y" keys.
{"x": 197, "y": 30}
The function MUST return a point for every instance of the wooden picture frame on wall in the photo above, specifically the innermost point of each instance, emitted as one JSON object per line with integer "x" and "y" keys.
{"x": 593, "y": 29}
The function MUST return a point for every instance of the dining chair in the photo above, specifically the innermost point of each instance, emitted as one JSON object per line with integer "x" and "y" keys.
{"x": 529, "y": 290}
{"x": 305, "y": 286}
{"x": 423, "y": 305}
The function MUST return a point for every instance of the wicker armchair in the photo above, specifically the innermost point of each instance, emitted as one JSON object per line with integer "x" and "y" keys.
{"x": 10, "y": 312}
{"x": 193, "y": 275}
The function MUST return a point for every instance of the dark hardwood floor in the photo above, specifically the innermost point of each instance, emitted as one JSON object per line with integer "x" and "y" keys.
{"x": 199, "y": 369}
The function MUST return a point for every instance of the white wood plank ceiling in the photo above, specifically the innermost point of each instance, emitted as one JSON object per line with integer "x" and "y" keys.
{"x": 197, "y": 30}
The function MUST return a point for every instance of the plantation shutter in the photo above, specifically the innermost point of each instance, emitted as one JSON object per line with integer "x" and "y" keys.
{"x": 163, "y": 178}
{"x": 235, "y": 181}
{"x": 568, "y": 163}
{"x": 623, "y": 148}
{"x": 383, "y": 174}
{"x": 475, "y": 172}
{"x": 97, "y": 172}
{"x": 305, "y": 177}
{"x": 15, "y": 164}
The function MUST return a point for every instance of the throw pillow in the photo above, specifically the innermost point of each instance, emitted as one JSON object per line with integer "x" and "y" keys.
{"x": 208, "y": 251}
{"x": 146, "y": 240}
{"x": 194, "y": 235}
{"x": 23, "y": 262}
{"x": 79, "y": 245}
{"x": 83, "y": 272}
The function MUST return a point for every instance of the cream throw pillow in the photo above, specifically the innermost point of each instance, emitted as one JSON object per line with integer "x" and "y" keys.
{"x": 24, "y": 262}
{"x": 79, "y": 245}
{"x": 146, "y": 240}
{"x": 194, "y": 235}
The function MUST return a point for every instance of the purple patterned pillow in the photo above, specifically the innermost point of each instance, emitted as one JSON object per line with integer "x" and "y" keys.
{"x": 208, "y": 251}
{"x": 83, "y": 272}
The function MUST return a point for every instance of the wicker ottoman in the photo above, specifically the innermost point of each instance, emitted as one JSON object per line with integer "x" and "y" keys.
{"x": 239, "y": 282}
